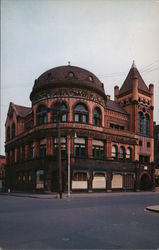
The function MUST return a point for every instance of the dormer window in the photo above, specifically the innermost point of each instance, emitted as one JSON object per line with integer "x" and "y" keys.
{"x": 90, "y": 78}
{"x": 71, "y": 75}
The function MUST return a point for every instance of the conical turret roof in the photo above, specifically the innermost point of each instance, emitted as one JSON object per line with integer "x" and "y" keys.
{"x": 128, "y": 83}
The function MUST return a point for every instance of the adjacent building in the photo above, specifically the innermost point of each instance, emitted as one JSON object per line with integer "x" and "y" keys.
{"x": 111, "y": 141}
{"x": 2, "y": 173}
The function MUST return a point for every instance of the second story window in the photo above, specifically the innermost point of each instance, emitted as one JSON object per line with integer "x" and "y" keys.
{"x": 146, "y": 125}
{"x": 63, "y": 147}
{"x": 31, "y": 150}
{"x": 41, "y": 115}
{"x": 121, "y": 153}
{"x": 97, "y": 117}
{"x": 114, "y": 152}
{"x": 42, "y": 147}
{"x": 80, "y": 147}
{"x": 59, "y": 112}
{"x": 8, "y": 133}
{"x": 13, "y": 130}
{"x": 98, "y": 149}
{"x": 140, "y": 123}
{"x": 81, "y": 113}
{"x": 129, "y": 154}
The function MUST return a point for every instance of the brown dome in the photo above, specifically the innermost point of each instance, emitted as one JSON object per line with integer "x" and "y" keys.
{"x": 68, "y": 76}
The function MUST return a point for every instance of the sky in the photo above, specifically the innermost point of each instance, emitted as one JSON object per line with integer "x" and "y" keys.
{"x": 102, "y": 36}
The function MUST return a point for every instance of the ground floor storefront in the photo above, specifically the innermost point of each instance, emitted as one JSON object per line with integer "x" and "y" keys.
{"x": 86, "y": 175}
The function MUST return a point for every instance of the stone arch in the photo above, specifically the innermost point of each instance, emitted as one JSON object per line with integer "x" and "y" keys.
{"x": 145, "y": 181}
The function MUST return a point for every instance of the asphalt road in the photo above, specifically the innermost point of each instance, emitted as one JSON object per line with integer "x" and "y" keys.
{"x": 110, "y": 222}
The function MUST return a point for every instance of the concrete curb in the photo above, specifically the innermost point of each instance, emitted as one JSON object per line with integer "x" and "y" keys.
{"x": 76, "y": 195}
{"x": 154, "y": 208}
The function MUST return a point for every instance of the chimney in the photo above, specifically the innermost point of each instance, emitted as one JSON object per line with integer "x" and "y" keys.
{"x": 116, "y": 92}
{"x": 151, "y": 89}
{"x": 108, "y": 97}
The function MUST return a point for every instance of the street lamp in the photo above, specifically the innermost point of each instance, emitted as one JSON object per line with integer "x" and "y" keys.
{"x": 69, "y": 161}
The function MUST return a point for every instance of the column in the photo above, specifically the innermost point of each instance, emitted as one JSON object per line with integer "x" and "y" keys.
{"x": 108, "y": 154}
{"x": 89, "y": 146}
{"x": 49, "y": 146}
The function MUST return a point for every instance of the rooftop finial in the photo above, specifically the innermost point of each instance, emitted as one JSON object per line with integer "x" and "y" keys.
{"x": 69, "y": 63}
{"x": 133, "y": 65}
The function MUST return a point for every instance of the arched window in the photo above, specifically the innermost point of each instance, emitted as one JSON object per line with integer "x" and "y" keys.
{"x": 129, "y": 154}
{"x": 81, "y": 113}
{"x": 41, "y": 115}
{"x": 13, "y": 130}
{"x": 140, "y": 123}
{"x": 59, "y": 112}
{"x": 121, "y": 153}
{"x": 146, "y": 124}
{"x": 114, "y": 152}
{"x": 97, "y": 118}
{"x": 8, "y": 133}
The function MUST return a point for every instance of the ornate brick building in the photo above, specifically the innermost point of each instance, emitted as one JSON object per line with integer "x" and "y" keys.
{"x": 113, "y": 146}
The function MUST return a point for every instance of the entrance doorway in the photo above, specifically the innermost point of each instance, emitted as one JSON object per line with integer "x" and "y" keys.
{"x": 145, "y": 182}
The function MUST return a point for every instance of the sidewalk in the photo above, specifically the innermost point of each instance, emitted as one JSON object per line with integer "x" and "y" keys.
{"x": 154, "y": 208}
{"x": 76, "y": 195}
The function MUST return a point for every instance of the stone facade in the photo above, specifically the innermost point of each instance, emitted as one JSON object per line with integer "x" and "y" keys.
{"x": 111, "y": 142}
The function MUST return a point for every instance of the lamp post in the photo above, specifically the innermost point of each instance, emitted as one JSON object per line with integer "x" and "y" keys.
{"x": 59, "y": 159}
{"x": 69, "y": 161}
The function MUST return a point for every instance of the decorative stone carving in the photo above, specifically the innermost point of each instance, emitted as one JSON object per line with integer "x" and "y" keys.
{"x": 60, "y": 93}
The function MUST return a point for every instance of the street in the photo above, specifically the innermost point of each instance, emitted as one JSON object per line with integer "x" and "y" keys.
{"x": 104, "y": 222}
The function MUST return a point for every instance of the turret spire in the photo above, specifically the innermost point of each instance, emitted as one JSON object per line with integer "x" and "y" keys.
{"x": 133, "y": 65}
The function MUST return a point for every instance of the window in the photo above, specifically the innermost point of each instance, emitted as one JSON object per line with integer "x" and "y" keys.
{"x": 80, "y": 176}
{"x": 80, "y": 147}
{"x": 71, "y": 75}
{"x": 40, "y": 176}
{"x": 144, "y": 159}
{"x": 116, "y": 126}
{"x": 31, "y": 150}
{"x": 13, "y": 130}
{"x": 41, "y": 115}
{"x": 121, "y": 153}
{"x": 146, "y": 125}
{"x": 8, "y": 133}
{"x": 59, "y": 112}
{"x": 63, "y": 147}
{"x": 140, "y": 123}
{"x": 129, "y": 154}
{"x": 18, "y": 154}
{"x": 98, "y": 149}
{"x": 23, "y": 152}
{"x": 81, "y": 113}
{"x": 140, "y": 143}
{"x": 90, "y": 78}
{"x": 97, "y": 117}
{"x": 148, "y": 144}
{"x": 114, "y": 152}
{"x": 13, "y": 155}
{"x": 42, "y": 148}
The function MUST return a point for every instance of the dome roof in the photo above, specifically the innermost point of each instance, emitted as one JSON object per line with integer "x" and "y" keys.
{"x": 72, "y": 76}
